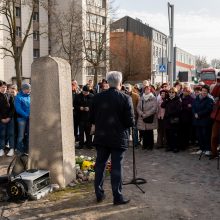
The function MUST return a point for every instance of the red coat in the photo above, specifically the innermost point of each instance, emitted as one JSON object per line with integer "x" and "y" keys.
{"x": 215, "y": 115}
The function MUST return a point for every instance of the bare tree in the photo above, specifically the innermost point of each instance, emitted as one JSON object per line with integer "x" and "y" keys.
{"x": 201, "y": 62}
{"x": 68, "y": 36}
{"x": 14, "y": 36}
{"x": 96, "y": 39}
{"x": 215, "y": 63}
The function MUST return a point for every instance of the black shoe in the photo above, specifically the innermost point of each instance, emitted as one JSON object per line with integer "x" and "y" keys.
{"x": 79, "y": 147}
{"x": 168, "y": 149}
{"x": 121, "y": 202}
{"x": 89, "y": 147}
{"x": 212, "y": 157}
{"x": 100, "y": 199}
{"x": 175, "y": 151}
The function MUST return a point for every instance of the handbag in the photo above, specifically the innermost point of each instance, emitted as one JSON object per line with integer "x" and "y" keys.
{"x": 174, "y": 120}
{"x": 149, "y": 119}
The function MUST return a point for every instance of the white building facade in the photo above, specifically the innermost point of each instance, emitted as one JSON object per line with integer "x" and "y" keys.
{"x": 159, "y": 56}
{"x": 39, "y": 45}
{"x": 94, "y": 20}
{"x": 184, "y": 62}
{"x": 35, "y": 46}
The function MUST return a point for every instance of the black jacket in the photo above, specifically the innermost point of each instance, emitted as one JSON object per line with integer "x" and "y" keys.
{"x": 173, "y": 109}
{"x": 6, "y": 106}
{"x": 83, "y": 101}
{"x": 112, "y": 113}
{"x": 203, "y": 107}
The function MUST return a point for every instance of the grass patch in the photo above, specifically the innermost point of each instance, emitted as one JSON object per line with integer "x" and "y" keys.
{"x": 77, "y": 192}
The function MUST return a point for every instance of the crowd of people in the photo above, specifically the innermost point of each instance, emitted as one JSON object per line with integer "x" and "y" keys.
{"x": 14, "y": 118}
{"x": 106, "y": 115}
{"x": 182, "y": 116}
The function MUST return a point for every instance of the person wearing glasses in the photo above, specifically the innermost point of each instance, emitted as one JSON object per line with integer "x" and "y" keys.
{"x": 172, "y": 107}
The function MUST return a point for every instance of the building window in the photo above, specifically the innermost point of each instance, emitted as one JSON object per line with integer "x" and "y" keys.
{"x": 160, "y": 52}
{"x": 156, "y": 51}
{"x": 97, "y": 3}
{"x": 18, "y": 31}
{"x": 94, "y": 36}
{"x": 104, "y": 3}
{"x": 103, "y": 21}
{"x": 36, "y": 35}
{"x": 95, "y": 19}
{"x": 36, "y": 16}
{"x": 90, "y": 71}
{"x": 18, "y": 11}
{"x": 36, "y": 53}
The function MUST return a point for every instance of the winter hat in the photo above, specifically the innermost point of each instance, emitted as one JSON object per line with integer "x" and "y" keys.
{"x": 85, "y": 88}
{"x": 25, "y": 86}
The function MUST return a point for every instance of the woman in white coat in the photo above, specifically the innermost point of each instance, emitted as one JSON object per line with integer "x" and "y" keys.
{"x": 147, "y": 106}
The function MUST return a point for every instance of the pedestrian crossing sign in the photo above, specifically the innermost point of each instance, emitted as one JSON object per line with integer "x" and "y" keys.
{"x": 162, "y": 68}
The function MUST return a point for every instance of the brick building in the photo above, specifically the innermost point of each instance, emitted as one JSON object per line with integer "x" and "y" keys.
{"x": 137, "y": 49}
{"x": 130, "y": 48}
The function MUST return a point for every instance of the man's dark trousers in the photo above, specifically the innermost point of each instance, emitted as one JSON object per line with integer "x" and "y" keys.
{"x": 117, "y": 155}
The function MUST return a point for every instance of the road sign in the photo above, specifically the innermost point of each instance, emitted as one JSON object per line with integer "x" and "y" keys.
{"x": 162, "y": 68}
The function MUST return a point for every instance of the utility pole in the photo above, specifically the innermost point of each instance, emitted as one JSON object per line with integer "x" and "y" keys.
{"x": 171, "y": 36}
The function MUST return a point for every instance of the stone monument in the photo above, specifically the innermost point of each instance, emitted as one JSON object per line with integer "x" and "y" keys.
{"x": 51, "y": 143}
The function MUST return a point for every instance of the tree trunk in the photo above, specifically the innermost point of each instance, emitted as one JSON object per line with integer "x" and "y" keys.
{"x": 18, "y": 73}
{"x": 96, "y": 75}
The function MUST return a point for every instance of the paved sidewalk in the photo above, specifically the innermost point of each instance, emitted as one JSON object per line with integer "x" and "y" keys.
{"x": 179, "y": 187}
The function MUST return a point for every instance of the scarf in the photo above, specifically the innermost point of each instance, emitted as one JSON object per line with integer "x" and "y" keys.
{"x": 146, "y": 97}
{"x": 172, "y": 95}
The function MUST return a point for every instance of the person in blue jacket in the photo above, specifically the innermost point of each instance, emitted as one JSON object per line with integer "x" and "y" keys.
{"x": 22, "y": 107}
{"x": 202, "y": 108}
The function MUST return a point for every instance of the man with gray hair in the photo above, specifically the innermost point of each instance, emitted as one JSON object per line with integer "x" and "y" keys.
{"x": 112, "y": 115}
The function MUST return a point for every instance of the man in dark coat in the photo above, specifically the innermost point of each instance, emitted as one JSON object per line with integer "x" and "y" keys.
{"x": 112, "y": 115}
{"x": 82, "y": 104}
{"x": 202, "y": 108}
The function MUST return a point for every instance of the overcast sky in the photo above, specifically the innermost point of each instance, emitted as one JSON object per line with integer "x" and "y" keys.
{"x": 197, "y": 22}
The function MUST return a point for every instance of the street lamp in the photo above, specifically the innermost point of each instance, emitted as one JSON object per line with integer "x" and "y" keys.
{"x": 171, "y": 35}
{"x": 163, "y": 40}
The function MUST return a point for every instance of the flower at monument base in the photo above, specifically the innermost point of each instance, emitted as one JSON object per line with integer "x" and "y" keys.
{"x": 87, "y": 165}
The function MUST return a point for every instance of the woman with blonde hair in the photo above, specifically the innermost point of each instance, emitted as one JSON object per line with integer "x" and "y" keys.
{"x": 147, "y": 119}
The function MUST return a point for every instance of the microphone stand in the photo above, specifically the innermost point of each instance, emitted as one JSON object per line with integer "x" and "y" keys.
{"x": 136, "y": 181}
